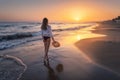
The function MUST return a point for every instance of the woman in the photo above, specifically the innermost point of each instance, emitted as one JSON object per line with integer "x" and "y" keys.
{"x": 47, "y": 36}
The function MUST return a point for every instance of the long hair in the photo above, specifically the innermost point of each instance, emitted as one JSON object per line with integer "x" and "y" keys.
{"x": 44, "y": 24}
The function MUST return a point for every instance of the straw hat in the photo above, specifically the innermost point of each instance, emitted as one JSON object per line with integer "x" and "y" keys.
{"x": 56, "y": 44}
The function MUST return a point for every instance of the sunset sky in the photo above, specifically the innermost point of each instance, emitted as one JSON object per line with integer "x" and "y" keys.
{"x": 59, "y": 10}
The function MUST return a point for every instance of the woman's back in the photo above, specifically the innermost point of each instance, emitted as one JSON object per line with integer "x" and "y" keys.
{"x": 47, "y": 32}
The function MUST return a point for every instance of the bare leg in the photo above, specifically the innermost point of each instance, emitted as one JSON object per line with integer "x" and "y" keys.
{"x": 46, "y": 44}
{"x": 47, "y": 47}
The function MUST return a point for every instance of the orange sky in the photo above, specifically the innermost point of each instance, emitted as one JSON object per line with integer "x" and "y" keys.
{"x": 59, "y": 10}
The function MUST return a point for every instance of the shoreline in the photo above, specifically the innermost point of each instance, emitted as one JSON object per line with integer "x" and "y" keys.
{"x": 103, "y": 50}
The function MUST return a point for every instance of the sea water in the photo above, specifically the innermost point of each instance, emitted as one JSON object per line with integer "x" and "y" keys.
{"x": 17, "y": 33}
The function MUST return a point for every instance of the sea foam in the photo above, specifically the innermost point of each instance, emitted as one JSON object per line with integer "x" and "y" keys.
{"x": 11, "y": 68}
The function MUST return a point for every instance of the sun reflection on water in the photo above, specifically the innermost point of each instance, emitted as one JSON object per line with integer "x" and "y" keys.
{"x": 78, "y": 37}
{"x": 84, "y": 33}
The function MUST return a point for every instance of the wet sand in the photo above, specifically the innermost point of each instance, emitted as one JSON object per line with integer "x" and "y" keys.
{"x": 65, "y": 63}
{"x": 104, "y": 50}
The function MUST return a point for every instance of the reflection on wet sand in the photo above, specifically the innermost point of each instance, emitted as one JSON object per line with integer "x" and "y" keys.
{"x": 52, "y": 75}
{"x": 83, "y": 33}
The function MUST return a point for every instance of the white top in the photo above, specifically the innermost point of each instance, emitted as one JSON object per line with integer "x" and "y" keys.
{"x": 47, "y": 32}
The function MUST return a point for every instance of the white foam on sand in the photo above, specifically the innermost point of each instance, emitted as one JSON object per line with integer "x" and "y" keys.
{"x": 11, "y": 68}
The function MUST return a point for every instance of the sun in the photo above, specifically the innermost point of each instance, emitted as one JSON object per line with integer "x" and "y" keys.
{"x": 77, "y": 19}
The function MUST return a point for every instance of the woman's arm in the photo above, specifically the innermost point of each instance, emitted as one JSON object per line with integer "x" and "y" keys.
{"x": 51, "y": 34}
{"x": 53, "y": 38}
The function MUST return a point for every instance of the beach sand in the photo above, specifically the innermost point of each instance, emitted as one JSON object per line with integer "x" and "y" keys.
{"x": 104, "y": 50}
{"x": 66, "y": 62}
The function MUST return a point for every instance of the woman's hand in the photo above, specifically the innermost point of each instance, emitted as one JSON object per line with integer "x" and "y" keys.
{"x": 53, "y": 39}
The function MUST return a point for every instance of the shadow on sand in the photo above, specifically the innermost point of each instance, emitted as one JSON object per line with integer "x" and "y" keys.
{"x": 53, "y": 74}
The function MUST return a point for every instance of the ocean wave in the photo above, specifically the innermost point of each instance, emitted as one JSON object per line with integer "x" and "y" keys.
{"x": 26, "y": 26}
{"x": 69, "y": 29}
{"x": 11, "y": 68}
{"x": 6, "y": 25}
{"x": 15, "y": 36}
{"x": 31, "y": 34}
{"x": 8, "y": 44}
